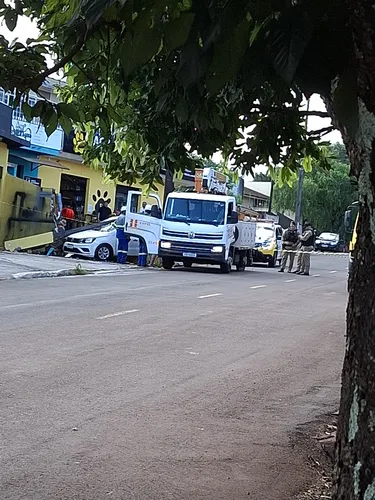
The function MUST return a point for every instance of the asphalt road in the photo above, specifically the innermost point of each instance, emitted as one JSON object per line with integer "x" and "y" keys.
{"x": 166, "y": 385}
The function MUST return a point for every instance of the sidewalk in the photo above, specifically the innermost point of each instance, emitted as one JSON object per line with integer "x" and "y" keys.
{"x": 14, "y": 265}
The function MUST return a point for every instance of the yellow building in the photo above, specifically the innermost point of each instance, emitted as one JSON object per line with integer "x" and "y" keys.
{"x": 82, "y": 187}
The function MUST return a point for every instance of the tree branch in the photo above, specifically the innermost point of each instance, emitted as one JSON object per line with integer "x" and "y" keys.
{"x": 272, "y": 109}
{"x": 37, "y": 82}
{"x": 322, "y": 131}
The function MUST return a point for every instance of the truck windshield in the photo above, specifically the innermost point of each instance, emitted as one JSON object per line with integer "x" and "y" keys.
{"x": 195, "y": 211}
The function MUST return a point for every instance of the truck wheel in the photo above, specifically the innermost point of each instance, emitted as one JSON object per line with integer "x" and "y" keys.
{"x": 226, "y": 267}
{"x": 272, "y": 261}
{"x": 187, "y": 263}
{"x": 167, "y": 263}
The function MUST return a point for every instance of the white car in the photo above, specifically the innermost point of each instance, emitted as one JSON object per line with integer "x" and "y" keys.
{"x": 99, "y": 244}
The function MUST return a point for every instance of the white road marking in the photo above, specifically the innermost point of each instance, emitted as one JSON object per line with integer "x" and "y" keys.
{"x": 290, "y": 281}
{"x": 257, "y": 286}
{"x": 332, "y": 272}
{"x": 316, "y": 275}
{"x": 208, "y": 296}
{"x": 121, "y": 313}
{"x": 193, "y": 353}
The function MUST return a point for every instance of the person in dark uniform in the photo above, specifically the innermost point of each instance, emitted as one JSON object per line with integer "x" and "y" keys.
{"x": 142, "y": 253}
{"x": 104, "y": 212}
{"x": 290, "y": 243}
{"x": 307, "y": 239}
{"x": 122, "y": 238}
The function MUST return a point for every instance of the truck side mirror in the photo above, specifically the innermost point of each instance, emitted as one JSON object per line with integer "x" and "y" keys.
{"x": 233, "y": 218}
{"x": 156, "y": 212}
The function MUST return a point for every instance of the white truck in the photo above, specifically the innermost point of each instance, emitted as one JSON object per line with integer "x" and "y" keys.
{"x": 200, "y": 228}
{"x": 204, "y": 228}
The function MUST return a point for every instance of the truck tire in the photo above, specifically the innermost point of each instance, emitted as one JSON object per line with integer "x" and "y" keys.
{"x": 226, "y": 267}
{"x": 167, "y": 263}
{"x": 273, "y": 260}
{"x": 187, "y": 263}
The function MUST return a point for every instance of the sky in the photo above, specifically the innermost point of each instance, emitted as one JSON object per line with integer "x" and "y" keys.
{"x": 27, "y": 29}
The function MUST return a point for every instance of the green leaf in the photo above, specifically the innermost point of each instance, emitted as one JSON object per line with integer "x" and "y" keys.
{"x": 255, "y": 33}
{"x": 217, "y": 122}
{"x": 11, "y": 18}
{"x": 66, "y": 124}
{"x": 229, "y": 52}
{"x": 288, "y": 41}
{"x": 37, "y": 109}
{"x": 162, "y": 102}
{"x": 177, "y": 31}
{"x": 307, "y": 164}
{"x": 112, "y": 113}
{"x": 27, "y": 111}
{"x": 182, "y": 111}
{"x": 69, "y": 110}
{"x": 141, "y": 44}
{"x": 51, "y": 124}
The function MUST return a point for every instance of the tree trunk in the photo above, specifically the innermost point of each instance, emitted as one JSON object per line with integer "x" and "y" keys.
{"x": 354, "y": 476}
{"x": 168, "y": 184}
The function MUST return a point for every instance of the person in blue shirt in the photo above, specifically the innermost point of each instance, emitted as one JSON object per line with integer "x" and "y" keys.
{"x": 123, "y": 240}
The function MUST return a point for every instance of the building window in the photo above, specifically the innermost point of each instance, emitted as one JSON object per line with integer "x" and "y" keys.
{"x": 7, "y": 99}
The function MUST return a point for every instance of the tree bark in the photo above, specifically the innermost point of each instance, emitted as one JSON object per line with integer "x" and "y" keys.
{"x": 168, "y": 184}
{"x": 354, "y": 476}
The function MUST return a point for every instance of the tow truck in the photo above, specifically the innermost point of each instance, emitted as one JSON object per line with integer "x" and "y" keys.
{"x": 200, "y": 227}
{"x": 268, "y": 245}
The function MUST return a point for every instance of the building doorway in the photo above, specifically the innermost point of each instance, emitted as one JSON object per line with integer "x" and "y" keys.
{"x": 73, "y": 193}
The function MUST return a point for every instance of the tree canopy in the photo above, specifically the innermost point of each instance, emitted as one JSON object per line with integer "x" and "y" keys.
{"x": 155, "y": 76}
{"x": 326, "y": 194}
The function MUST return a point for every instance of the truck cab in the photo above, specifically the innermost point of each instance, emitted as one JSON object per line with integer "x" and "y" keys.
{"x": 268, "y": 245}
{"x": 202, "y": 228}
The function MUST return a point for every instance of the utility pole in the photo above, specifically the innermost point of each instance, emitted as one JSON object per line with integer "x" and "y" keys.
{"x": 301, "y": 175}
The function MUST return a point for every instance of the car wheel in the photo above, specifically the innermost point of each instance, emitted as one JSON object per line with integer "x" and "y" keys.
{"x": 186, "y": 263}
{"x": 104, "y": 252}
{"x": 226, "y": 267}
{"x": 273, "y": 260}
{"x": 167, "y": 263}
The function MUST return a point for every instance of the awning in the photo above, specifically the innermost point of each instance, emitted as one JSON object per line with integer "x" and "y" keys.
{"x": 38, "y": 161}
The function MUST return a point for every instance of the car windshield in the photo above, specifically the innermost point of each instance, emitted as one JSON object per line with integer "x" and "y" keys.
{"x": 106, "y": 229}
{"x": 196, "y": 211}
{"x": 329, "y": 236}
{"x": 264, "y": 232}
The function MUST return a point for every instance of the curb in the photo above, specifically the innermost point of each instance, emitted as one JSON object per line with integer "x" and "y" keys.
{"x": 48, "y": 274}
{"x": 64, "y": 272}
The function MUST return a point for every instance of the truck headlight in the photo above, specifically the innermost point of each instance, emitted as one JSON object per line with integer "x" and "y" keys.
{"x": 217, "y": 249}
{"x": 165, "y": 244}
{"x": 88, "y": 240}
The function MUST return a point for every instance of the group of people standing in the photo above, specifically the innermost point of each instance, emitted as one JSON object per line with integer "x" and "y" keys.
{"x": 298, "y": 244}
